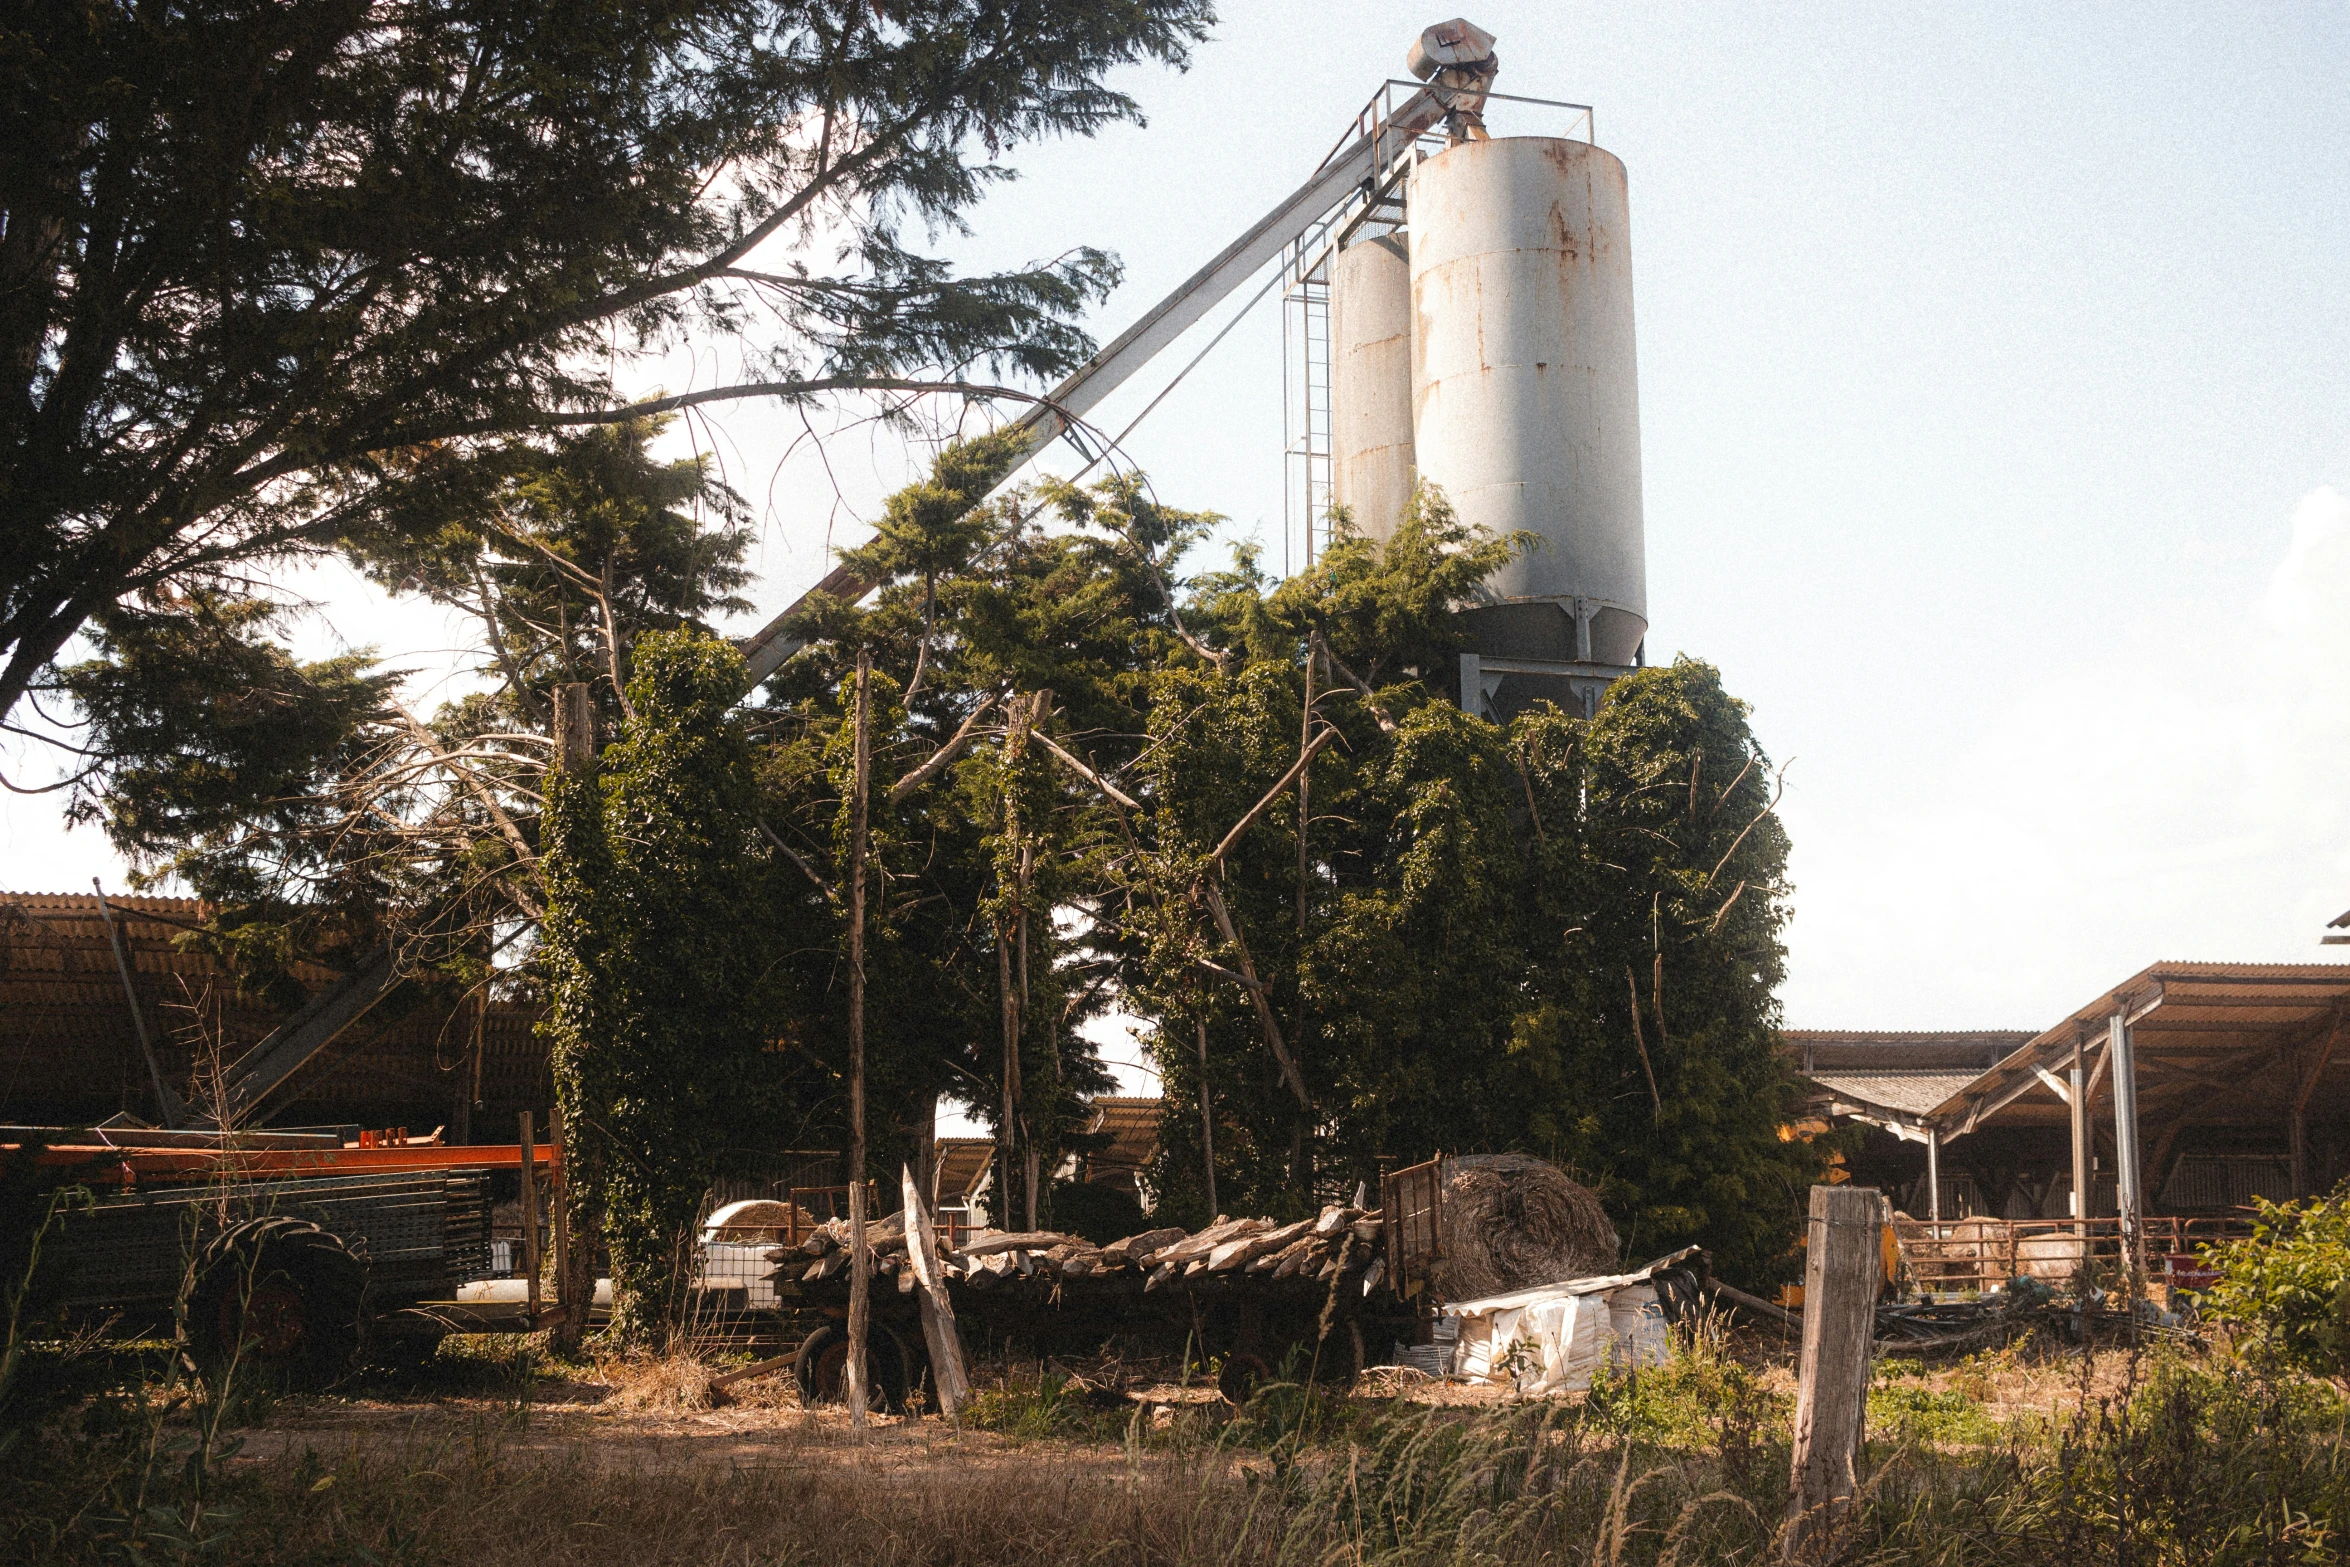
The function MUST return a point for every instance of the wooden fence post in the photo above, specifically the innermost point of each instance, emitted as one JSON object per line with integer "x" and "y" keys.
{"x": 860, "y": 1252}
{"x": 559, "y": 1198}
{"x": 530, "y": 1215}
{"x": 948, "y": 1379}
{"x": 1841, "y": 1271}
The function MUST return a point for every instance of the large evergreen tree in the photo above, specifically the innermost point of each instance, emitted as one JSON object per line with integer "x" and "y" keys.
{"x": 272, "y": 272}
{"x": 316, "y": 814}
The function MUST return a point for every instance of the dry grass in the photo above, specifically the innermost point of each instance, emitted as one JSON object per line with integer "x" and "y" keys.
{"x": 474, "y": 1497}
{"x": 666, "y": 1383}
{"x": 509, "y": 1458}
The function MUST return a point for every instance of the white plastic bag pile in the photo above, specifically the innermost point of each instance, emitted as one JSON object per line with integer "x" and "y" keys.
{"x": 1552, "y": 1338}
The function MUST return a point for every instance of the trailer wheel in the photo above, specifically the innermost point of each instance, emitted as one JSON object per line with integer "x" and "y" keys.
{"x": 821, "y": 1367}
{"x": 1240, "y": 1377}
{"x": 279, "y": 1299}
{"x": 1345, "y": 1356}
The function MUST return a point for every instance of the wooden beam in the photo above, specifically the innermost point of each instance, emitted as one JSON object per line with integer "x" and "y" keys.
{"x": 2325, "y": 1054}
{"x": 2084, "y": 1188}
{"x": 2159, "y": 1166}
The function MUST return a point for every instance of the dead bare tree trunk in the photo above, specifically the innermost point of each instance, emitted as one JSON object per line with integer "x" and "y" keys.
{"x": 860, "y": 1253}
{"x": 1299, "y": 1176}
{"x": 1009, "y": 1120}
{"x": 1008, "y": 930}
{"x": 1040, "y": 707}
{"x": 1207, "y": 1114}
{"x": 926, "y": 1153}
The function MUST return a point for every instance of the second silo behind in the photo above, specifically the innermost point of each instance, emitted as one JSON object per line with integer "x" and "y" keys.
{"x": 1371, "y": 382}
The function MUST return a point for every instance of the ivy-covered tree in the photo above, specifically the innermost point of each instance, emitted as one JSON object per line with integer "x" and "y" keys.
{"x": 1011, "y": 654}
{"x": 1554, "y": 935}
{"x": 665, "y": 925}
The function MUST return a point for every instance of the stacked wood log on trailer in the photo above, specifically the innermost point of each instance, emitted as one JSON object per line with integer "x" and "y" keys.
{"x": 1340, "y": 1244}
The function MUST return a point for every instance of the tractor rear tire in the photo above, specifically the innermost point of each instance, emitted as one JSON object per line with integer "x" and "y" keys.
{"x": 279, "y": 1300}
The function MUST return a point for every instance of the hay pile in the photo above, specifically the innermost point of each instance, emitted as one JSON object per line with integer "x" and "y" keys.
{"x": 664, "y": 1384}
{"x": 756, "y": 1219}
{"x": 1509, "y": 1222}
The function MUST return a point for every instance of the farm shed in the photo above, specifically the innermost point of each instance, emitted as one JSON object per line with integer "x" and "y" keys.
{"x": 2169, "y": 1101}
{"x": 70, "y": 1051}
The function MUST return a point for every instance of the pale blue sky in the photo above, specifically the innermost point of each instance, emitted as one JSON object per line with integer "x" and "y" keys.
{"x": 1994, "y": 371}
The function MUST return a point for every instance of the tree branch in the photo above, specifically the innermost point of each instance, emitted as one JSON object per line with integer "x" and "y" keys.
{"x": 945, "y": 753}
{"x": 489, "y": 802}
{"x": 1776, "y": 795}
{"x": 1256, "y": 993}
{"x": 1085, "y": 772}
{"x": 1370, "y": 700}
{"x": 786, "y": 390}
{"x": 1656, "y": 1099}
{"x": 1259, "y": 809}
{"x": 800, "y": 860}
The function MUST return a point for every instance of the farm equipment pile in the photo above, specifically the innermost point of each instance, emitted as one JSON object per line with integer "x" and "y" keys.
{"x": 1248, "y": 1294}
{"x": 1325, "y": 1297}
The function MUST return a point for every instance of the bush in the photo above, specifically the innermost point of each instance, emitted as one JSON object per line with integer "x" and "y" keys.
{"x": 1100, "y": 1214}
{"x": 2286, "y": 1290}
{"x": 1054, "y": 1405}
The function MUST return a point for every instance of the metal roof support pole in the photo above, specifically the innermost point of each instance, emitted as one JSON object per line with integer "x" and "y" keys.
{"x": 2297, "y": 1146}
{"x": 2125, "y": 1135}
{"x": 2084, "y": 1189}
{"x": 1934, "y": 1178}
{"x": 166, "y": 1102}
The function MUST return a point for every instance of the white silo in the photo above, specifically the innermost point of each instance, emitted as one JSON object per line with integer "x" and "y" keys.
{"x": 1371, "y": 382}
{"x": 1526, "y": 408}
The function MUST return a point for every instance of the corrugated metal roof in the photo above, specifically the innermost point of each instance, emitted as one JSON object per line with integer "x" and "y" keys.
{"x": 1864, "y": 1051}
{"x": 962, "y": 1165}
{"x": 1133, "y": 1125}
{"x": 69, "y": 1051}
{"x": 2214, "y": 1043}
{"x": 1911, "y": 1093}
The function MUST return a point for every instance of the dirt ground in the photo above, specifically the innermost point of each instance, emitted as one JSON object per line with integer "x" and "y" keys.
{"x": 662, "y": 1415}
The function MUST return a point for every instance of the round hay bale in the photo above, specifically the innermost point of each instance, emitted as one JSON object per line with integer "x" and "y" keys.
{"x": 756, "y": 1219}
{"x": 1509, "y": 1222}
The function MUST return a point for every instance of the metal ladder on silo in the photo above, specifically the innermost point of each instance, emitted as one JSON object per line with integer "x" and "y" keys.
{"x": 1305, "y": 406}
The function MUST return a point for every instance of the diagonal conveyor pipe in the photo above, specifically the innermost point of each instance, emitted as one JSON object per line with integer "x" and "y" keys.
{"x": 1351, "y": 165}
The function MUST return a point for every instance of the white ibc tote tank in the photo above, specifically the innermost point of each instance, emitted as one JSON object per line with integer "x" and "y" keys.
{"x": 1526, "y": 408}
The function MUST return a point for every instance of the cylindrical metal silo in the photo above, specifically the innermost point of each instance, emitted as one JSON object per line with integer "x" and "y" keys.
{"x": 1371, "y": 382}
{"x": 1526, "y": 408}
